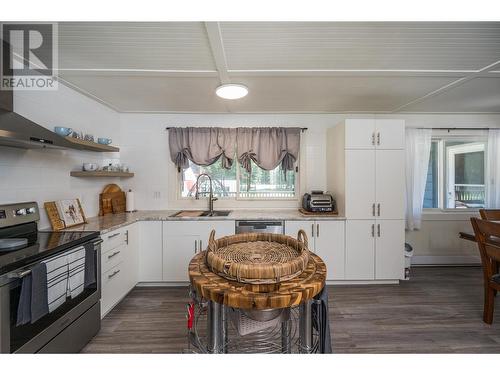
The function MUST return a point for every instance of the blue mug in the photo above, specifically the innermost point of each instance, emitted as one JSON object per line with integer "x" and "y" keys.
{"x": 104, "y": 141}
{"x": 61, "y": 130}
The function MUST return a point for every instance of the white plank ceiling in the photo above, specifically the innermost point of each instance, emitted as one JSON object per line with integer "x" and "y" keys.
{"x": 306, "y": 67}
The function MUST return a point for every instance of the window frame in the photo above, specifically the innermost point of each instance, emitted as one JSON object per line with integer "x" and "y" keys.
{"x": 238, "y": 181}
{"x": 443, "y": 173}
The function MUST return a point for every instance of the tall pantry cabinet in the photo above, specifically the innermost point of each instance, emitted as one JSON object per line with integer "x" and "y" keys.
{"x": 366, "y": 174}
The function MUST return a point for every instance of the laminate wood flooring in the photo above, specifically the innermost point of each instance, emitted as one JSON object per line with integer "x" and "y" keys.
{"x": 438, "y": 311}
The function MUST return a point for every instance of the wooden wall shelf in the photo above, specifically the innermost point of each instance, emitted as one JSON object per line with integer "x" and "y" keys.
{"x": 100, "y": 174}
{"x": 91, "y": 146}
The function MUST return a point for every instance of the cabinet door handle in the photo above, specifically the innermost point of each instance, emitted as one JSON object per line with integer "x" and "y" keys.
{"x": 373, "y": 138}
{"x": 378, "y": 209}
{"x": 113, "y": 235}
{"x": 114, "y": 254}
{"x": 373, "y": 209}
{"x": 378, "y": 138}
{"x": 312, "y": 230}
{"x": 373, "y": 230}
{"x": 317, "y": 230}
{"x": 378, "y": 230}
{"x": 195, "y": 246}
{"x": 126, "y": 237}
{"x": 113, "y": 274}
{"x": 201, "y": 245}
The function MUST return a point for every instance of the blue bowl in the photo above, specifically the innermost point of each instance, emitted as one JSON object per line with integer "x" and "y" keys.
{"x": 104, "y": 141}
{"x": 61, "y": 130}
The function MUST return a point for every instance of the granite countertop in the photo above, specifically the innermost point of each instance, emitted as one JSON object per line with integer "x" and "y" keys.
{"x": 109, "y": 223}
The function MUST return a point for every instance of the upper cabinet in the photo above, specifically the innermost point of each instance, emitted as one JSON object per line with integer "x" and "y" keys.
{"x": 366, "y": 165}
{"x": 365, "y": 134}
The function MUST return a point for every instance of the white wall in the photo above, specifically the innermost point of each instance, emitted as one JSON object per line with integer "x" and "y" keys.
{"x": 145, "y": 149}
{"x": 43, "y": 175}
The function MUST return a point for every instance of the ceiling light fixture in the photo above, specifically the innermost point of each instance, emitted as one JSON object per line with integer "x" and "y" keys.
{"x": 231, "y": 91}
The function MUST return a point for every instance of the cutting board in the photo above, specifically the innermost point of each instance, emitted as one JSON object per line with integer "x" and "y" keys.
{"x": 112, "y": 200}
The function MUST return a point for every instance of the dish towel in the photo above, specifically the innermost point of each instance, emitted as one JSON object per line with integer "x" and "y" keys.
{"x": 90, "y": 266}
{"x": 24, "y": 305}
{"x": 321, "y": 322}
{"x": 39, "y": 300}
{"x": 57, "y": 280}
{"x": 76, "y": 269}
{"x": 33, "y": 303}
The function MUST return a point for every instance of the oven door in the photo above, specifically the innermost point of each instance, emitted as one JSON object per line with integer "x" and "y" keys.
{"x": 31, "y": 337}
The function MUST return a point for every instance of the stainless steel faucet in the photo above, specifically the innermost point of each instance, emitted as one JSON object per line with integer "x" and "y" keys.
{"x": 211, "y": 198}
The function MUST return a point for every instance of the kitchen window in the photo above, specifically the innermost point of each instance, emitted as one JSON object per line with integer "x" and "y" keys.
{"x": 456, "y": 173}
{"x": 237, "y": 183}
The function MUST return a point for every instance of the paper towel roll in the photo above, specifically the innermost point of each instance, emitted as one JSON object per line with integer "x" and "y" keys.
{"x": 130, "y": 201}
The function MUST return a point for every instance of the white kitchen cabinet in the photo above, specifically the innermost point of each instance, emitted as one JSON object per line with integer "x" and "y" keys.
{"x": 367, "y": 134}
{"x": 132, "y": 256}
{"x": 366, "y": 174}
{"x": 151, "y": 253}
{"x": 360, "y": 134}
{"x": 389, "y": 254}
{"x": 374, "y": 249}
{"x": 389, "y": 184}
{"x": 182, "y": 239}
{"x": 326, "y": 239}
{"x": 360, "y": 250}
{"x": 360, "y": 177}
{"x": 390, "y": 134}
{"x": 119, "y": 265}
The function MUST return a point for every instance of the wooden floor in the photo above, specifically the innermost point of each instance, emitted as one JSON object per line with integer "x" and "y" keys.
{"x": 438, "y": 311}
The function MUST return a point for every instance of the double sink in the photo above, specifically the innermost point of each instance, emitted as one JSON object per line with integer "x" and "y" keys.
{"x": 199, "y": 213}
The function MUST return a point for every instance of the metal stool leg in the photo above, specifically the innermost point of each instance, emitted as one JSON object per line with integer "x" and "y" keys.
{"x": 305, "y": 327}
{"x": 286, "y": 344}
{"x": 215, "y": 328}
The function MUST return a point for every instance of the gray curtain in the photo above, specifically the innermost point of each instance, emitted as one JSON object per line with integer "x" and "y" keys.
{"x": 203, "y": 146}
{"x": 268, "y": 147}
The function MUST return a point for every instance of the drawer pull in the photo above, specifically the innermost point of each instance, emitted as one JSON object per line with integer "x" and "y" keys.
{"x": 114, "y": 254}
{"x": 113, "y": 274}
{"x": 113, "y": 235}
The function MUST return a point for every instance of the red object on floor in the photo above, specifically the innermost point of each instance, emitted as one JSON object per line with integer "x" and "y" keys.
{"x": 190, "y": 315}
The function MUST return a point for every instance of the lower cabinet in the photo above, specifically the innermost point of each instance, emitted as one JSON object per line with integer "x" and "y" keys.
{"x": 375, "y": 249}
{"x": 151, "y": 251}
{"x": 183, "y": 239}
{"x": 326, "y": 239}
{"x": 119, "y": 259}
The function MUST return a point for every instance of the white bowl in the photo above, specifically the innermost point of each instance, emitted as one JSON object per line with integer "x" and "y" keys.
{"x": 89, "y": 167}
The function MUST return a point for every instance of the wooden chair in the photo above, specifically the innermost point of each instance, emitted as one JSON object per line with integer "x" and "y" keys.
{"x": 489, "y": 214}
{"x": 488, "y": 240}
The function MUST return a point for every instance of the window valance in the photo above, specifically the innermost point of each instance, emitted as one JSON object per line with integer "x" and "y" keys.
{"x": 203, "y": 146}
{"x": 266, "y": 147}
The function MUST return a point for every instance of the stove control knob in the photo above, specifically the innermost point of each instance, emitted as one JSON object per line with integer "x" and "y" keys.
{"x": 20, "y": 212}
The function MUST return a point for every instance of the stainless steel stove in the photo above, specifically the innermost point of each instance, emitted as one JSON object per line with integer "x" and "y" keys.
{"x": 22, "y": 247}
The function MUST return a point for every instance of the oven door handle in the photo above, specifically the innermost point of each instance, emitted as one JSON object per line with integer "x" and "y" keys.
{"x": 19, "y": 274}
{"x": 98, "y": 242}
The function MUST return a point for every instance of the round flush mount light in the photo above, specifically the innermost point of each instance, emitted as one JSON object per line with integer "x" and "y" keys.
{"x": 231, "y": 91}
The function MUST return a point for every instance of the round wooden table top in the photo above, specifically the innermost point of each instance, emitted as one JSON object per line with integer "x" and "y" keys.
{"x": 263, "y": 296}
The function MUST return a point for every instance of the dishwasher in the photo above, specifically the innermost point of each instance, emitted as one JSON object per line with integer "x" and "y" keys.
{"x": 260, "y": 226}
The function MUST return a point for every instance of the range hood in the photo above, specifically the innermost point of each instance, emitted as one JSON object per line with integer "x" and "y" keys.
{"x": 18, "y": 131}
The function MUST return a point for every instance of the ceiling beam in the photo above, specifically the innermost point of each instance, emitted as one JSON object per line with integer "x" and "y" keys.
{"x": 218, "y": 53}
{"x": 450, "y": 86}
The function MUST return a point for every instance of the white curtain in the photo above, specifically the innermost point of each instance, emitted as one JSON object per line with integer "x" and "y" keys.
{"x": 418, "y": 150}
{"x": 493, "y": 169}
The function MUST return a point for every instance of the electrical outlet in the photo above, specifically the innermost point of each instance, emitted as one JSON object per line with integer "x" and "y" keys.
{"x": 156, "y": 194}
